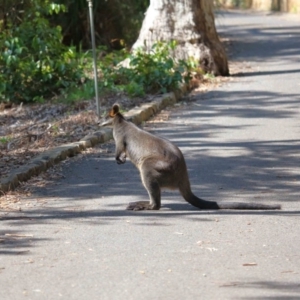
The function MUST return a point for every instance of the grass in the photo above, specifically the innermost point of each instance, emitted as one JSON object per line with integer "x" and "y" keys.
{"x": 77, "y": 93}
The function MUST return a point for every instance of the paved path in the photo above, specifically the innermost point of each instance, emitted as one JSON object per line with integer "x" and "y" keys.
{"x": 75, "y": 240}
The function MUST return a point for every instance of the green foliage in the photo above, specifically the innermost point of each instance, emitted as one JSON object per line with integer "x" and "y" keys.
{"x": 78, "y": 92}
{"x": 35, "y": 65}
{"x": 4, "y": 139}
{"x": 33, "y": 62}
{"x": 156, "y": 71}
{"x": 112, "y": 76}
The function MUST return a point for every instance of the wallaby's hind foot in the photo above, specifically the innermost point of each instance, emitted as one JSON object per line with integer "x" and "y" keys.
{"x": 141, "y": 205}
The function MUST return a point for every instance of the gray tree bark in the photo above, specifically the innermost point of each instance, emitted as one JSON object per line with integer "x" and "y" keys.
{"x": 191, "y": 24}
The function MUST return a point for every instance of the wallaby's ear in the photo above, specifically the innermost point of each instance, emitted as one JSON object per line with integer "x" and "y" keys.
{"x": 114, "y": 110}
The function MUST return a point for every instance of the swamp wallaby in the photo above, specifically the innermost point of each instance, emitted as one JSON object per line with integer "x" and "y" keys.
{"x": 161, "y": 165}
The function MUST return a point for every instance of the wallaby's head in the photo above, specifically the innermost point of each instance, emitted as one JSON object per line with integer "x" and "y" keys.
{"x": 113, "y": 112}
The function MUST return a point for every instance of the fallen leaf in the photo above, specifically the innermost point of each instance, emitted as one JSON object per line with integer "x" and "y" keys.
{"x": 22, "y": 252}
{"x": 229, "y": 284}
{"x": 289, "y": 271}
{"x": 252, "y": 264}
{"x": 18, "y": 235}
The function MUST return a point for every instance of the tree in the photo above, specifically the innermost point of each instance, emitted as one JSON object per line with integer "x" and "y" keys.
{"x": 191, "y": 24}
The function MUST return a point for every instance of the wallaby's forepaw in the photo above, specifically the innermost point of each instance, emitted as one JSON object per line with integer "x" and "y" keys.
{"x": 140, "y": 205}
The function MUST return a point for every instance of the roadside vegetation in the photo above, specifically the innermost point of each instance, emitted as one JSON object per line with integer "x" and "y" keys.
{"x": 36, "y": 66}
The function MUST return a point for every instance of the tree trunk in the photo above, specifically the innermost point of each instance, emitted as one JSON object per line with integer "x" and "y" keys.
{"x": 191, "y": 24}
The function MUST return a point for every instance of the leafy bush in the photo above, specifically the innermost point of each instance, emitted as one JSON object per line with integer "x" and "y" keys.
{"x": 33, "y": 62}
{"x": 156, "y": 71}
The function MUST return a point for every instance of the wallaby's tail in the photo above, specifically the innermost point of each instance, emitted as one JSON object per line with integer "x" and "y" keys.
{"x": 254, "y": 206}
{"x": 204, "y": 204}
{"x": 187, "y": 194}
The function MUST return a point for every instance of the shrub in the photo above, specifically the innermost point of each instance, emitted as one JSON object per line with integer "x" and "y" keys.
{"x": 156, "y": 71}
{"x": 33, "y": 62}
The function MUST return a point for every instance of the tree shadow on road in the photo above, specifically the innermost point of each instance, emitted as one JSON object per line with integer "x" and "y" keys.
{"x": 258, "y": 40}
{"x": 17, "y": 242}
{"x": 279, "y": 287}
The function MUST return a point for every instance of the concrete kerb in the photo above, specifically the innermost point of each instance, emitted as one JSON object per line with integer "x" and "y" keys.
{"x": 53, "y": 156}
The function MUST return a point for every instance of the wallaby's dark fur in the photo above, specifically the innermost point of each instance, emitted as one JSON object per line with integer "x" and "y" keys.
{"x": 161, "y": 165}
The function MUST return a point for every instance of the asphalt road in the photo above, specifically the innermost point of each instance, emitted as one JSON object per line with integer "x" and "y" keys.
{"x": 73, "y": 239}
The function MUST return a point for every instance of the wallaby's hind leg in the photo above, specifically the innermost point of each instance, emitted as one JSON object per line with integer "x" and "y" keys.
{"x": 150, "y": 183}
